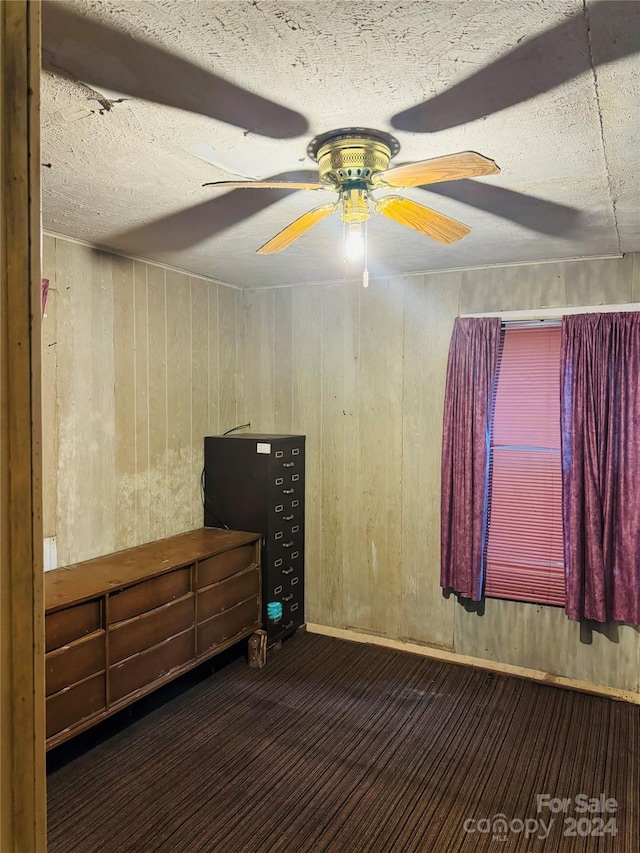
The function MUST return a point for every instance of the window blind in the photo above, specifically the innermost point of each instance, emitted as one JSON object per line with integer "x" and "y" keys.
{"x": 524, "y": 557}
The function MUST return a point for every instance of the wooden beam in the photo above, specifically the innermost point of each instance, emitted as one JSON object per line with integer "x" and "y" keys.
{"x": 22, "y": 775}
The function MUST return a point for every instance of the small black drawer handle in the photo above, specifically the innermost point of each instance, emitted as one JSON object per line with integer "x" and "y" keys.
{"x": 287, "y": 571}
{"x": 287, "y": 544}
{"x": 287, "y": 491}
{"x": 288, "y": 625}
{"x": 288, "y": 464}
{"x": 287, "y": 597}
{"x": 287, "y": 517}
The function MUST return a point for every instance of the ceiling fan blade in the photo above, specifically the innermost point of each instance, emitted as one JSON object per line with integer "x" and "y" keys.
{"x": 297, "y": 228}
{"x": 96, "y": 54}
{"x": 269, "y": 185}
{"x": 608, "y": 30}
{"x": 435, "y": 225}
{"x": 451, "y": 167}
{"x": 192, "y": 225}
{"x": 545, "y": 217}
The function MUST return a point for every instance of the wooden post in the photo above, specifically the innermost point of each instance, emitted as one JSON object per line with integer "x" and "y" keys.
{"x": 22, "y": 709}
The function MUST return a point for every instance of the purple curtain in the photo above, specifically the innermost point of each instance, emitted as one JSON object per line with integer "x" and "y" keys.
{"x": 600, "y": 420}
{"x": 471, "y": 373}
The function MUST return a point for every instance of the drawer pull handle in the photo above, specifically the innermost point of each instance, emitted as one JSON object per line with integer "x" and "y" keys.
{"x": 288, "y": 464}
{"x": 277, "y": 590}
{"x": 287, "y": 491}
{"x": 288, "y": 598}
{"x": 287, "y": 571}
{"x": 287, "y": 544}
{"x": 287, "y": 517}
{"x": 288, "y": 625}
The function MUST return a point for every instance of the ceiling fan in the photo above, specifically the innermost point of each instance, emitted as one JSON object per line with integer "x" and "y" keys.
{"x": 79, "y": 46}
{"x": 354, "y": 163}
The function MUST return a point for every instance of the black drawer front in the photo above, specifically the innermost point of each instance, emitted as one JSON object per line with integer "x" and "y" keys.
{"x": 283, "y": 511}
{"x": 287, "y": 456}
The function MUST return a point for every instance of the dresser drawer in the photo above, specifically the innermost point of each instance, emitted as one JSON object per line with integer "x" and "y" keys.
{"x": 74, "y": 662}
{"x": 141, "y": 669}
{"x": 65, "y": 626}
{"x": 237, "y": 620}
{"x": 76, "y": 703}
{"x": 224, "y": 565}
{"x": 225, "y": 594}
{"x": 149, "y": 594}
{"x": 130, "y": 637}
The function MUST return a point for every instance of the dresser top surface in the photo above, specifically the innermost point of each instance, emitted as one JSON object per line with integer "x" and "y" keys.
{"x": 92, "y": 578}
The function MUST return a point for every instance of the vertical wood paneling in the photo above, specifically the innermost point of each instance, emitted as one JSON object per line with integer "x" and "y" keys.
{"x": 257, "y": 352}
{"x": 227, "y": 355}
{"x": 86, "y": 443}
{"x": 610, "y": 280}
{"x": 282, "y": 363}
{"x": 332, "y": 428}
{"x": 351, "y": 438}
{"x": 99, "y": 347}
{"x": 125, "y": 401}
{"x": 49, "y": 384}
{"x": 157, "y": 365}
{"x": 213, "y": 324}
{"x": 200, "y": 404}
{"x": 142, "y": 425}
{"x": 135, "y": 387}
{"x": 380, "y": 417}
{"x": 430, "y": 309}
{"x": 179, "y": 456}
{"x": 359, "y": 371}
{"x": 306, "y": 416}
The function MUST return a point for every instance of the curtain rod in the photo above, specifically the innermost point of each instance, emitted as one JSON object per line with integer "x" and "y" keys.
{"x": 555, "y": 313}
{"x": 533, "y": 323}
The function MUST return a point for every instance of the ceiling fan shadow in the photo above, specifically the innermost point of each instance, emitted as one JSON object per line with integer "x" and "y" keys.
{"x": 545, "y": 217}
{"x": 532, "y": 68}
{"x": 91, "y": 52}
{"x": 193, "y": 225}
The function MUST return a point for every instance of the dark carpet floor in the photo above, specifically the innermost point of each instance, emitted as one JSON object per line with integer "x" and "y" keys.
{"x": 346, "y": 748}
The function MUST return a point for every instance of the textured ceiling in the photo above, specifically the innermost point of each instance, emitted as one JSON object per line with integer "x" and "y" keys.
{"x": 122, "y": 173}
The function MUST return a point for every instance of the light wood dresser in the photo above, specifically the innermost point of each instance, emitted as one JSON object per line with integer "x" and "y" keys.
{"x": 119, "y": 626}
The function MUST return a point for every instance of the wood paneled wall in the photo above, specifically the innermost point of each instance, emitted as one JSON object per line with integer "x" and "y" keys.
{"x": 139, "y": 365}
{"x": 140, "y": 362}
{"x": 361, "y": 373}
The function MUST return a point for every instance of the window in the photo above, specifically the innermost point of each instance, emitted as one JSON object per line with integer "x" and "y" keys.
{"x": 524, "y": 552}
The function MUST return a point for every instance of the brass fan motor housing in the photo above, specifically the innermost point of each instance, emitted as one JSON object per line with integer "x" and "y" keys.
{"x": 352, "y": 155}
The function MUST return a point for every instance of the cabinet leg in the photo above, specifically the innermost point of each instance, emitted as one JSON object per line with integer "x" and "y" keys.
{"x": 258, "y": 649}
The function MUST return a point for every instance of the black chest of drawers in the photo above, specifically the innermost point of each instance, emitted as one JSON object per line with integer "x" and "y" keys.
{"x": 255, "y": 482}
